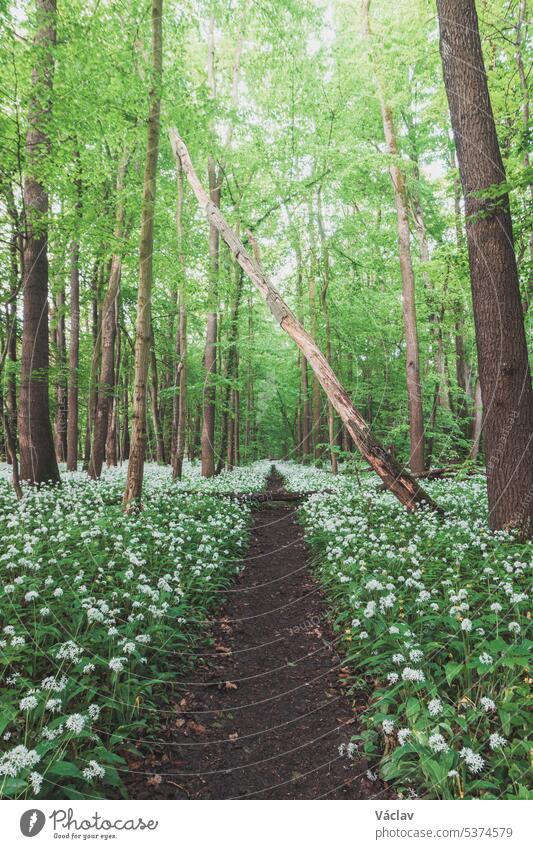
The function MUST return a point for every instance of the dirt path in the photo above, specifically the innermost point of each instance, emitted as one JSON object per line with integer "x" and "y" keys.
{"x": 267, "y": 713}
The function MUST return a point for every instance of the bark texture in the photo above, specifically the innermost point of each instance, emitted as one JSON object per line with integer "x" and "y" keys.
{"x": 504, "y": 372}
{"x": 37, "y": 454}
{"x": 143, "y": 334}
{"x": 73, "y": 359}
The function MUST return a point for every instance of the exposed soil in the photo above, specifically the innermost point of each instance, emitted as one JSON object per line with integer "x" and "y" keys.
{"x": 268, "y": 708}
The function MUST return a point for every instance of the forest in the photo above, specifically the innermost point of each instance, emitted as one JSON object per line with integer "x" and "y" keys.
{"x": 266, "y": 432}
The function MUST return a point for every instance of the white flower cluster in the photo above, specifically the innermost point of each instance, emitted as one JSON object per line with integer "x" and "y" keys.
{"x": 438, "y": 608}
{"x": 90, "y": 594}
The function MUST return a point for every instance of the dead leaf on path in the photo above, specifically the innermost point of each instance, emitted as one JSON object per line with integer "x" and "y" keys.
{"x": 233, "y": 737}
{"x": 196, "y": 727}
{"x": 154, "y": 780}
{"x": 134, "y": 764}
{"x": 222, "y": 649}
{"x": 229, "y": 685}
{"x": 179, "y": 723}
{"x": 182, "y": 706}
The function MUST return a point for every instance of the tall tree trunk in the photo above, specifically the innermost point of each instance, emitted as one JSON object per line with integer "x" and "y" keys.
{"x": 521, "y": 40}
{"x": 325, "y": 309}
{"x": 228, "y": 412}
{"x": 156, "y": 413}
{"x": 304, "y": 382}
{"x": 179, "y": 417}
{"x": 436, "y": 312}
{"x": 95, "y": 361}
{"x": 74, "y": 348}
{"x": 143, "y": 334}
{"x": 501, "y": 341}
{"x": 414, "y": 389}
{"x": 37, "y": 454}
{"x": 107, "y": 370}
{"x": 249, "y": 429}
{"x": 108, "y": 332}
{"x": 403, "y": 485}
{"x": 197, "y": 431}
{"x": 477, "y": 422}
{"x": 177, "y": 467}
{"x": 111, "y": 452}
{"x": 313, "y": 329}
{"x": 462, "y": 371}
{"x": 125, "y": 441}
{"x": 237, "y": 421}
{"x": 210, "y": 355}
{"x": 15, "y": 246}
{"x": 230, "y": 432}
{"x": 61, "y": 389}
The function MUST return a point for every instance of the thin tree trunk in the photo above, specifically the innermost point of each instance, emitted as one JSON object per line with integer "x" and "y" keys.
{"x": 11, "y": 323}
{"x": 313, "y": 329}
{"x": 436, "y": 314}
{"x": 504, "y": 372}
{"x": 107, "y": 370}
{"x": 230, "y": 433}
{"x": 325, "y": 309}
{"x": 143, "y": 334}
{"x": 462, "y": 371}
{"x": 74, "y": 349}
{"x": 230, "y": 372}
{"x": 125, "y": 441}
{"x": 196, "y": 433}
{"x": 38, "y": 461}
{"x": 237, "y": 422}
{"x": 179, "y": 417}
{"x": 177, "y": 468}
{"x": 61, "y": 387}
{"x": 304, "y": 382}
{"x": 210, "y": 355}
{"x": 12, "y": 454}
{"x": 403, "y": 485}
{"x": 111, "y": 452}
{"x": 414, "y": 389}
{"x": 108, "y": 332}
{"x": 348, "y": 439}
{"x": 477, "y": 422}
{"x": 249, "y": 426}
{"x": 95, "y": 363}
{"x": 156, "y": 413}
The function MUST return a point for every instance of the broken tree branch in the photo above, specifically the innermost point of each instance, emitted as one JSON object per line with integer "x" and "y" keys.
{"x": 403, "y": 485}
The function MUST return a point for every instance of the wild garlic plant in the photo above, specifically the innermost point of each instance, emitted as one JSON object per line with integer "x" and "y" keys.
{"x": 434, "y": 618}
{"x": 99, "y": 612}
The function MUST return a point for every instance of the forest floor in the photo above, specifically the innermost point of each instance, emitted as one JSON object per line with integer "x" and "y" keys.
{"x": 268, "y": 709}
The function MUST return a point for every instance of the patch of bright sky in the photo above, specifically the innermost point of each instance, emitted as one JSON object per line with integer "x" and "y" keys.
{"x": 324, "y": 40}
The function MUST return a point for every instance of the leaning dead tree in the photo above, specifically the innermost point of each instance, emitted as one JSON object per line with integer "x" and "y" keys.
{"x": 397, "y": 480}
